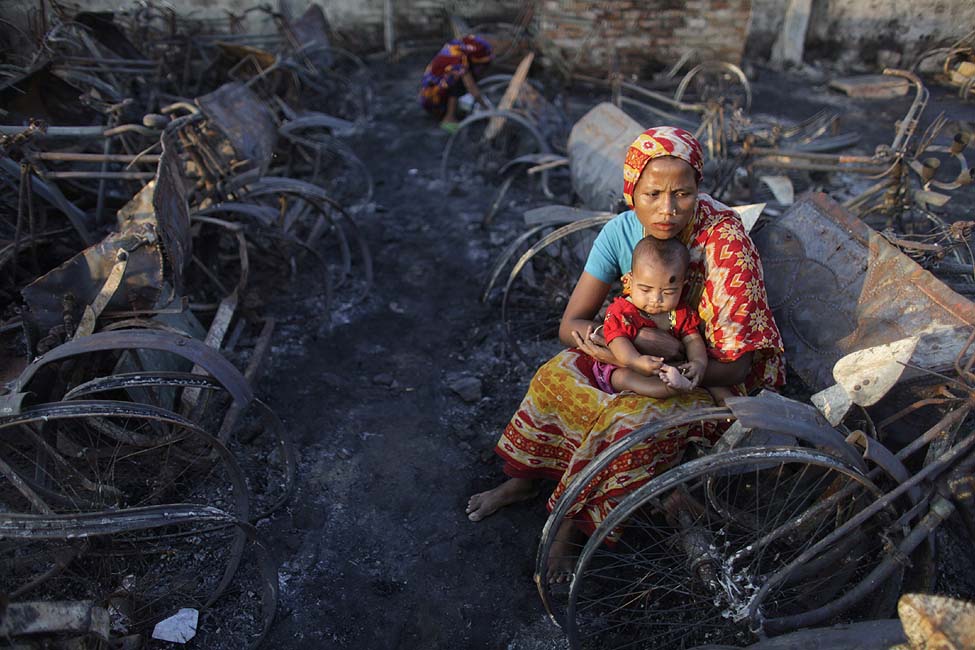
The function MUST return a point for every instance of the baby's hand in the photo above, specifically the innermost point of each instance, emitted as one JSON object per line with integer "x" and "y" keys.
{"x": 672, "y": 377}
{"x": 694, "y": 371}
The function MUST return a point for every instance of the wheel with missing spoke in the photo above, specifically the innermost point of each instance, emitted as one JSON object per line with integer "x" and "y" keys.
{"x": 540, "y": 284}
{"x": 713, "y": 550}
{"x": 718, "y": 82}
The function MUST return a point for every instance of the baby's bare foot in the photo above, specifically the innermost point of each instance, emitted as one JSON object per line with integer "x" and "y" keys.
{"x": 672, "y": 377}
{"x": 511, "y": 491}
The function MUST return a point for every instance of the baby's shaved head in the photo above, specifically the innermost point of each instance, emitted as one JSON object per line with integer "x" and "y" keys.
{"x": 662, "y": 253}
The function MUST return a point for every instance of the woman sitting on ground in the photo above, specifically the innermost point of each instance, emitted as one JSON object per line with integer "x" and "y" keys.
{"x": 565, "y": 420}
{"x": 454, "y": 71}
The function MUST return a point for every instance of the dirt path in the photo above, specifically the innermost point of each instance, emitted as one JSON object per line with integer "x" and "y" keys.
{"x": 376, "y": 549}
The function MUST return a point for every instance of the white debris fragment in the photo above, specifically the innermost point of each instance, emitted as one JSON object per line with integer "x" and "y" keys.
{"x": 178, "y": 628}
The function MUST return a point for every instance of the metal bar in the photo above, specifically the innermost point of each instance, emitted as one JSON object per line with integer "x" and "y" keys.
{"x": 56, "y": 131}
{"x": 909, "y": 123}
{"x": 106, "y": 151}
{"x": 89, "y": 59}
{"x": 838, "y": 159}
{"x": 105, "y": 175}
{"x": 94, "y": 157}
{"x": 81, "y": 68}
{"x": 814, "y": 166}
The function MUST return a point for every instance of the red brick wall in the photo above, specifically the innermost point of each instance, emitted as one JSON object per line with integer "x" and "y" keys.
{"x": 646, "y": 34}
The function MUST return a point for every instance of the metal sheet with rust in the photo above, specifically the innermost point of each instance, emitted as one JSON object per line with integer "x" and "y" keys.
{"x": 835, "y": 286}
{"x": 83, "y": 275}
{"x": 240, "y": 115}
{"x": 597, "y": 148}
{"x": 172, "y": 213}
{"x": 154, "y": 229}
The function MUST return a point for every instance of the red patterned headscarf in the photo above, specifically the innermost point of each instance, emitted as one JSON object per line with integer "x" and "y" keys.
{"x": 478, "y": 50}
{"x": 655, "y": 143}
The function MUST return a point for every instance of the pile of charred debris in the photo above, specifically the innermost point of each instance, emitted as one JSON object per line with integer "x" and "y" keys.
{"x": 161, "y": 176}
{"x": 152, "y": 194}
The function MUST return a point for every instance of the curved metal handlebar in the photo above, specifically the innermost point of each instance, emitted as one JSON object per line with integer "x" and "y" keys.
{"x": 909, "y": 124}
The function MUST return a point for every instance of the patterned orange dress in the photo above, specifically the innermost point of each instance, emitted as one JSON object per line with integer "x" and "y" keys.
{"x": 565, "y": 420}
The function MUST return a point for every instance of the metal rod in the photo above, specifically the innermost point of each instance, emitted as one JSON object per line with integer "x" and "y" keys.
{"x": 808, "y": 155}
{"x": 31, "y": 224}
{"x": 115, "y": 70}
{"x": 99, "y": 175}
{"x": 95, "y": 157}
{"x": 814, "y": 166}
{"x": 106, "y": 151}
{"x": 89, "y": 59}
{"x": 56, "y": 131}
{"x": 909, "y": 123}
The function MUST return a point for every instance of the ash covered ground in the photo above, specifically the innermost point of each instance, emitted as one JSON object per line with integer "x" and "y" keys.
{"x": 375, "y": 548}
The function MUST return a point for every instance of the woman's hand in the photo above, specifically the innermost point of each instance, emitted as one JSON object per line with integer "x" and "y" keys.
{"x": 693, "y": 370}
{"x": 597, "y": 351}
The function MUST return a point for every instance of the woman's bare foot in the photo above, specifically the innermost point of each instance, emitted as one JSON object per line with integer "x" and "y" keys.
{"x": 511, "y": 491}
{"x": 562, "y": 556}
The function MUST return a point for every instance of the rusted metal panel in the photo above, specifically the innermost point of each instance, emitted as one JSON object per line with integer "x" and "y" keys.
{"x": 836, "y": 286}
{"x": 172, "y": 211}
{"x": 247, "y": 123}
{"x": 597, "y": 148}
{"x": 83, "y": 275}
{"x": 154, "y": 232}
